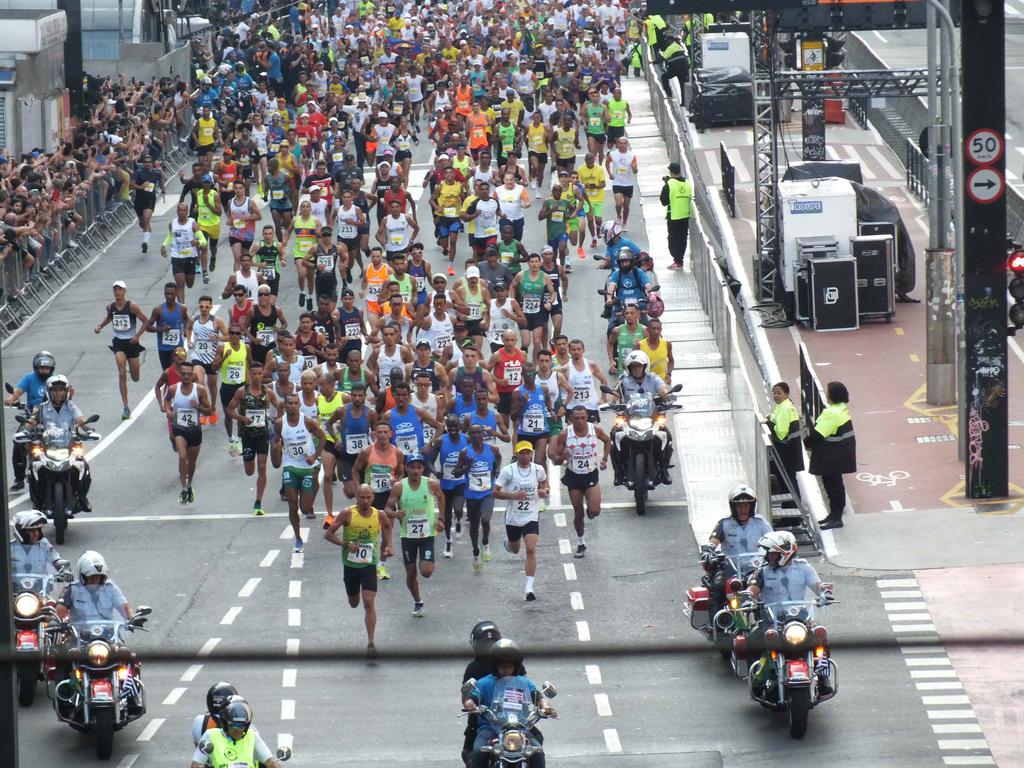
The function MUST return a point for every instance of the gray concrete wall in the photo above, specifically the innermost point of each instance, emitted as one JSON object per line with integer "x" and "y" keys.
{"x": 144, "y": 61}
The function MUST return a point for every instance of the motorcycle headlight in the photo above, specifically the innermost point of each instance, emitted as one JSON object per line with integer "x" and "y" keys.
{"x": 26, "y": 605}
{"x": 59, "y": 454}
{"x": 795, "y": 633}
{"x": 620, "y": 421}
{"x": 98, "y": 653}
{"x": 513, "y": 741}
{"x": 37, "y": 451}
{"x": 642, "y": 422}
{"x": 661, "y": 420}
{"x": 78, "y": 450}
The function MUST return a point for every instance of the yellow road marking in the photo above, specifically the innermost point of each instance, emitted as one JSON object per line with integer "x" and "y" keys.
{"x": 899, "y": 331}
{"x": 914, "y": 358}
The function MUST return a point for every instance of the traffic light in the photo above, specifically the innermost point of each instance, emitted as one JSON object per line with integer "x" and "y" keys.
{"x": 834, "y": 53}
{"x": 1016, "y": 288}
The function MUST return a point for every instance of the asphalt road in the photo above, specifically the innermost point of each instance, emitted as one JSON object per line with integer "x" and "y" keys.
{"x": 219, "y": 579}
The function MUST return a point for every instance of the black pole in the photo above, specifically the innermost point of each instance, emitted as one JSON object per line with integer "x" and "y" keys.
{"x": 8, "y": 701}
{"x": 984, "y": 386}
{"x": 74, "y": 71}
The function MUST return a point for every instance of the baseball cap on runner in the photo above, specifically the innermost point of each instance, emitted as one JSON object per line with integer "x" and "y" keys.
{"x": 524, "y": 445}
{"x": 120, "y": 284}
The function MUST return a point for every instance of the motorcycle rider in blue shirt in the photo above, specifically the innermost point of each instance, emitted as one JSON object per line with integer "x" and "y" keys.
{"x": 626, "y": 284}
{"x": 33, "y": 386}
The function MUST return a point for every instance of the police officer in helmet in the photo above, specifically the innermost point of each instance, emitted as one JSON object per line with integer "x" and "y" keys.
{"x": 740, "y": 532}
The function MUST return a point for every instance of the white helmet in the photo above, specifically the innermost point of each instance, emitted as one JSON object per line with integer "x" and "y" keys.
{"x": 60, "y": 379}
{"x": 739, "y": 494}
{"x": 637, "y": 357}
{"x": 782, "y": 542}
{"x": 91, "y": 564}
{"x": 611, "y": 230}
{"x": 26, "y": 520}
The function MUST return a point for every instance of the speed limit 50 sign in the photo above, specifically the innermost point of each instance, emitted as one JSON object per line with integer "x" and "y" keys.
{"x": 984, "y": 146}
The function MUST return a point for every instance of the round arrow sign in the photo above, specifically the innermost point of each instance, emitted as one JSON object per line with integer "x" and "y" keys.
{"x": 984, "y": 146}
{"x": 985, "y": 185}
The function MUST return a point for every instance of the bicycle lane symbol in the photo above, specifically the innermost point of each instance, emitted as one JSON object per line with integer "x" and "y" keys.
{"x": 886, "y": 481}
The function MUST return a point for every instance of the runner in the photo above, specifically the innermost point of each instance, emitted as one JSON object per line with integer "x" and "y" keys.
{"x": 523, "y": 484}
{"x": 376, "y": 274}
{"x": 478, "y": 463}
{"x": 242, "y": 215}
{"x": 145, "y": 181}
{"x": 530, "y": 408}
{"x": 407, "y": 421}
{"x": 125, "y": 317}
{"x": 183, "y": 238}
{"x": 267, "y": 257}
{"x": 183, "y": 402}
{"x": 265, "y": 322}
{"x": 251, "y": 407}
{"x": 352, "y": 424}
{"x": 233, "y": 358}
{"x": 245, "y": 277}
{"x": 414, "y": 501}
{"x": 363, "y": 527}
{"x": 536, "y": 295}
{"x": 299, "y": 454}
{"x": 506, "y": 365}
{"x": 381, "y": 465}
{"x": 593, "y": 177}
{"x": 168, "y": 322}
{"x": 447, "y": 446}
{"x": 557, "y": 211}
{"x": 305, "y": 229}
{"x": 328, "y": 403}
{"x": 204, "y": 332}
{"x": 621, "y": 166}
{"x": 577, "y": 449}
{"x": 208, "y": 213}
{"x": 585, "y": 379}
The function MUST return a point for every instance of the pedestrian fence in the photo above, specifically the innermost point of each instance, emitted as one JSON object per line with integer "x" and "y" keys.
{"x": 728, "y": 178}
{"x": 747, "y": 385}
{"x": 918, "y": 168}
{"x": 812, "y": 394}
{"x": 69, "y": 241}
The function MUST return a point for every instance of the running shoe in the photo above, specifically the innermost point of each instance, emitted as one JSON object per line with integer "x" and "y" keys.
{"x": 530, "y": 597}
{"x": 581, "y": 551}
{"x": 298, "y": 544}
{"x": 382, "y": 572}
{"x": 593, "y": 242}
{"x": 508, "y": 546}
{"x": 458, "y": 530}
{"x": 126, "y": 413}
{"x": 417, "y": 610}
{"x": 206, "y": 279}
{"x": 191, "y": 495}
{"x": 447, "y": 549}
{"x": 302, "y": 300}
{"x": 183, "y": 497}
{"x": 568, "y": 266}
{"x": 451, "y": 271}
{"x": 533, "y": 184}
{"x": 674, "y": 266}
{"x": 487, "y": 553}
{"x": 371, "y": 651}
{"x": 477, "y": 565}
{"x": 581, "y": 253}
{"x": 257, "y": 509}
{"x": 309, "y": 303}
{"x": 145, "y": 248}
{"x": 202, "y": 420}
{"x": 212, "y": 418}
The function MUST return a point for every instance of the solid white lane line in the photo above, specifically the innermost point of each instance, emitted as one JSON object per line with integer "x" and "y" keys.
{"x": 294, "y": 617}
{"x": 151, "y": 728}
{"x": 902, "y": 593}
{"x": 604, "y": 707}
{"x": 933, "y": 674}
{"x": 294, "y": 589}
{"x": 913, "y": 627}
{"x": 611, "y": 740}
{"x": 564, "y": 547}
{"x": 249, "y": 588}
{"x": 910, "y": 617}
{"x": 191, "y": 673}
{"x": 943, "y": 686}
{"x": 287, "y": 709}
{"x": 951, "y": 744}
{"x": 298, "y": 559}
{"x": 937, "y": 661}
{"x": 593, "y": 674}
{"x": 879, "y": 35}
{"x": 570, "y": 571}
{"x": 576, "y": 600}
{"x": 288, "y": 677}
{"x": 231, "y": 615}
{"x": 956, "y": 728}
{"x": 292, "y": 647}
{"x": 951, "y": 714}
{"x": 969, "y": 760}
{"x": 915, "y": 606}
{"x": 208, "y": 646}
{"x": 583, "y": 631}
{"x": 173, "y": 697}
{"x": 936, "y": 701}
{"x": 127, "y": 761}
{"x": 269, "y": 558}
{"x": 559, "y": 518}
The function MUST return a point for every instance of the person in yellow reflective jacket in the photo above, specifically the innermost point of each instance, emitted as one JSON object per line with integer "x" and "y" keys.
{"x": 833, "y": 450}
{"x": 784, "y": 424}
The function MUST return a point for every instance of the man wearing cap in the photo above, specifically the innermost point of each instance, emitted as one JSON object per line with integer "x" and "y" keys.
{"x": 414, "y": 502}
{"x": 523, "y": 484}
{"x": 676, "y": 196}
{"x": 129, "y": 322}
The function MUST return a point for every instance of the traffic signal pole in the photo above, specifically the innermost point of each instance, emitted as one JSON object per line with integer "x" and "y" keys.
{"x": 8, "y": 702}
{"x": 984, "y": 412}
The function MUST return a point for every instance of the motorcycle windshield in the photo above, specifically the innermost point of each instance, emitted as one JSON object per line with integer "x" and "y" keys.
{"x": 791, "y": 610}
{"x": 56, "y": 436}
{"x": 98, "y": 629}
{"x": 38, "y": 583}
{"x": 640, "y": 406}
{"x": 745, "y": 563}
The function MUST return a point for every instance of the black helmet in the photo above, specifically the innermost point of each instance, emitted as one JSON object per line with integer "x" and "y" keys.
{"x": 218, "y": 696}
{"x": 484, "y": 635}
{"x": 506, "y": 652}
{"x": 236, "y": 713}
{"x": 740, "y": 494}
{"x": 44, "y": 359}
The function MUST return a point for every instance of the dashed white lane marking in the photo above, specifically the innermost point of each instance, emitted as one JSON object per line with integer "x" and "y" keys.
{"x": 191, "y": 673}
{"x": 564, "y": 547}
{"x": 291, "y": 647}
{"x": 913, "y": 628}
{"x": 287, "y": 533}
{"x": 944, "y": 686}
{"x": 956, "y": 727}
{"x": 294, "y": 617}
{"x": 932, "y": 674}
{"x": 173, "y": 697}
{"x": 554, "y": 488}
{"x": 604, "y": 707}
{"x": 938, "y": 701}
{"x": 937, "y": 661}
{"x": 288, "y": 677}
{"x": 294, "y": 589}
{"x": 249, "y": 588}
{"x": 284, "y": 740}
{"x": 208, "y": 646}
{"x": 968, "y": 760}
{"x": 570, "y": 571}
{"x": 910, "y": 616}
{"x": 269, "y": 558}
{"x": 559, "y": 518}
{"x": 593, "y": 674}
{"x": 287, "y": 709}
{"x": 912, "y": 606}
{"x": 611, "y": 740}
{"x": 298, "y": 559}
{"x": 901, "y": 594}
{"x": 911, "y": 649}
{"x": 951, "y": 714}
{"x": 583, "y": 631}
{"x": 231, "y": 615}
{"x": 963, "y": 744}
{"x": 151, "y": 728}
{"x": 127, "y": 761}
{"x": 576, "y": 601}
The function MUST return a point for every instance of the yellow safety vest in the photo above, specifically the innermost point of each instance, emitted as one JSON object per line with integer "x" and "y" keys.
{"x": 680, "y": 193}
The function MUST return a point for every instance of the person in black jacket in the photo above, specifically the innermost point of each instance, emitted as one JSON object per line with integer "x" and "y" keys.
{"x": 833, "y": 448}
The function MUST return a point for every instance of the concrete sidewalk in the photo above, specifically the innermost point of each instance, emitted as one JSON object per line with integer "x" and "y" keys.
{"x": 910, "y": 484}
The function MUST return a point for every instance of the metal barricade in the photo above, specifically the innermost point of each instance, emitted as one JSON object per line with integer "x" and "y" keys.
{"x": 728, "y": 178}
{"x": 918, "y": 167}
